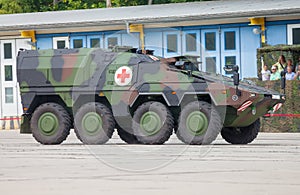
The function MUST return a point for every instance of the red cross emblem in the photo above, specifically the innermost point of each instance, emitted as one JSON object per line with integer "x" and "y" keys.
{"x": 123, "y": 76}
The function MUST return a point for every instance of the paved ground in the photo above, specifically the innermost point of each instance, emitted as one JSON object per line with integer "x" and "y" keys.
{"x": 270, "y": 165}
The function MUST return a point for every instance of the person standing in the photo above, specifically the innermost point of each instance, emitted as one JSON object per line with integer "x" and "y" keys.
{"x": 290, "y": 63}
{"x": 281, "y": 64}
{"x": 289, "y": 75}
{"x": 275, "y": 75}
{"x": 265, "y": 73}
{"x": 297, "y": 74}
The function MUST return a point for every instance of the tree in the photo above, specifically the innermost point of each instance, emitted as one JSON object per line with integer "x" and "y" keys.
{"x": 23, "y": 6}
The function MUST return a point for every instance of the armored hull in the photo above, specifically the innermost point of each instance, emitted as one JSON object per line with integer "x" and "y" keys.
{"x": 144, "y": 98}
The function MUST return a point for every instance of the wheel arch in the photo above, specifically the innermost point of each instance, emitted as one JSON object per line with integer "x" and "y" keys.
{"x": 86, "y": 98}
{"x": 41, "y": 99}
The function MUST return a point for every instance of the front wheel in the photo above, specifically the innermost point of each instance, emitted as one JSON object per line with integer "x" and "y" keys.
{"x": 198, "y": 123}
{"x": 241, "y": 135}
{"x": 50, "y": 123}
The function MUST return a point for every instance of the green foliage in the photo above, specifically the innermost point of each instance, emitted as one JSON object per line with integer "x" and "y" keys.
{"x": 23, "y": 6}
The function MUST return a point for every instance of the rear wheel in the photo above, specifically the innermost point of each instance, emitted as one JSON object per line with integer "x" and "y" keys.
{"x": 152, "y": 123}
{"x": 242, "y": 135}
{"x": 94, "y": 123}
{"x": 50, "y": 123}
{"x": 198, "y": 123}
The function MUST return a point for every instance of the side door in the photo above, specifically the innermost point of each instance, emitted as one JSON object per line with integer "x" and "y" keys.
{"x": 230, "y": 50}
{"x": 10, "y": 98}
{"x": 210, "y": 51}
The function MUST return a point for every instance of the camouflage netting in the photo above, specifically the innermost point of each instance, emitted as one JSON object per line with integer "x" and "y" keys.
{"x": 270, "y": 55}
{"x": 291, "y": 106}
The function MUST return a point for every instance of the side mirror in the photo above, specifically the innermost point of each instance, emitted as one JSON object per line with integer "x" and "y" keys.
{"x": 236, "y": 78}
{"x": 230, "y": 69}
{"x": 234, "y": 69}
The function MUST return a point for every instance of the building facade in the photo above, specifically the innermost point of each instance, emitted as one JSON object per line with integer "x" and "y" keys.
{"x": 219, "y": 32}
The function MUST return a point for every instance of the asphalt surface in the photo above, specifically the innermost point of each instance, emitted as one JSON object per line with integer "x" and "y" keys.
{"x": 270, "y": 165}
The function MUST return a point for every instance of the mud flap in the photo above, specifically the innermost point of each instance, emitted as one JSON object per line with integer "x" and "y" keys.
{"x": 25, "y": 124}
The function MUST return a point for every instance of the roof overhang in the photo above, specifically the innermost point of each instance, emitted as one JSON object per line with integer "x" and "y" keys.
{"x": 155, "y": 16}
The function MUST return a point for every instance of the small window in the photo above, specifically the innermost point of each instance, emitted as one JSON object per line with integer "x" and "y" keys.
{"x": 191, "y": 42}
{"x": 210, "y": 41}
{"x": 230, "y": 60}
{"x": 229, "y": 40}
{"x": 112, "y": 41}
{"x": 95, "y": 42}
{"x": 8, "y": 72}
{"x": 296, "y": 35}
{"x": 7, "y": 51}
{"x": 9, "y": 96}
{"x": 210, "y": 64}
{"x": 77, "y": 43}
{"x": 61, "y": 44}
{"x": 171, "y": 43}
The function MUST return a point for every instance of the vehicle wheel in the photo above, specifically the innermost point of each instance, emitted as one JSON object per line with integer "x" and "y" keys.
{"x": 127, "y": 137}
{"x": 198, "y": 123}
{"x": 152, "y": 123}
{"x": 242, "y": 135}
{"x": 50, "y": 124}
{"x": 94, "y": 123}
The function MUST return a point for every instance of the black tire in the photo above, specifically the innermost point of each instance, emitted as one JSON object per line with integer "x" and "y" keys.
{"x": 127, "y": 137}
{"x": 99, "y": 132}
{"x": 160, "y": 132}
{"x": 42, "y": 129}
{"x": 242, "y": 135}
{"x": 211, "y": 123}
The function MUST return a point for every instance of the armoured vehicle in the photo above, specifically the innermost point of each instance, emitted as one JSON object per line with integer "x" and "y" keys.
{"x": 144, "y": 98}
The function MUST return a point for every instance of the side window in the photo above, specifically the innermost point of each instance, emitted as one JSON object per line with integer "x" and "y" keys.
{"x": 95, "y": 42}
{"x": 296, "y": 36}
{"x": 191, "y": 42}
{"x": 172, "y": 43}
{"x": 229, "y": 41}
{"x": 210, "y": 64}
{"x": 230, "y": 60}
{"x": 77, "y": 43}
{"x": 9, "y": 96}
{"x": 210, "y": 41}
{"x": 8, "y": 72}
{"x": 112, "y": 41}
{"x": 293, "y": 31}
{"x": 7, "y": 50}
{"x": 61, "y": 42}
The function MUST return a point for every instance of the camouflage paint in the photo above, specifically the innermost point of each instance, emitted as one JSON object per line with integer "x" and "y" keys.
{"x": 70, "y": 73}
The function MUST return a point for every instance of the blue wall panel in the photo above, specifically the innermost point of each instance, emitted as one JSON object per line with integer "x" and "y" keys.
{"x": 249, "y": 43}
{"x": 154, "y": 41}
{"x": 44, "y": 43}
{"x": 276, "y": 34}
{"x": 132, "y": 39}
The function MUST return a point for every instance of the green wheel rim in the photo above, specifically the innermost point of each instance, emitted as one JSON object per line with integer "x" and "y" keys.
{"x": 48, "y": 124}
{"x": 197, "y": 123}
{"x": 91, "y": 123}
{"x": 150, "y": 123}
